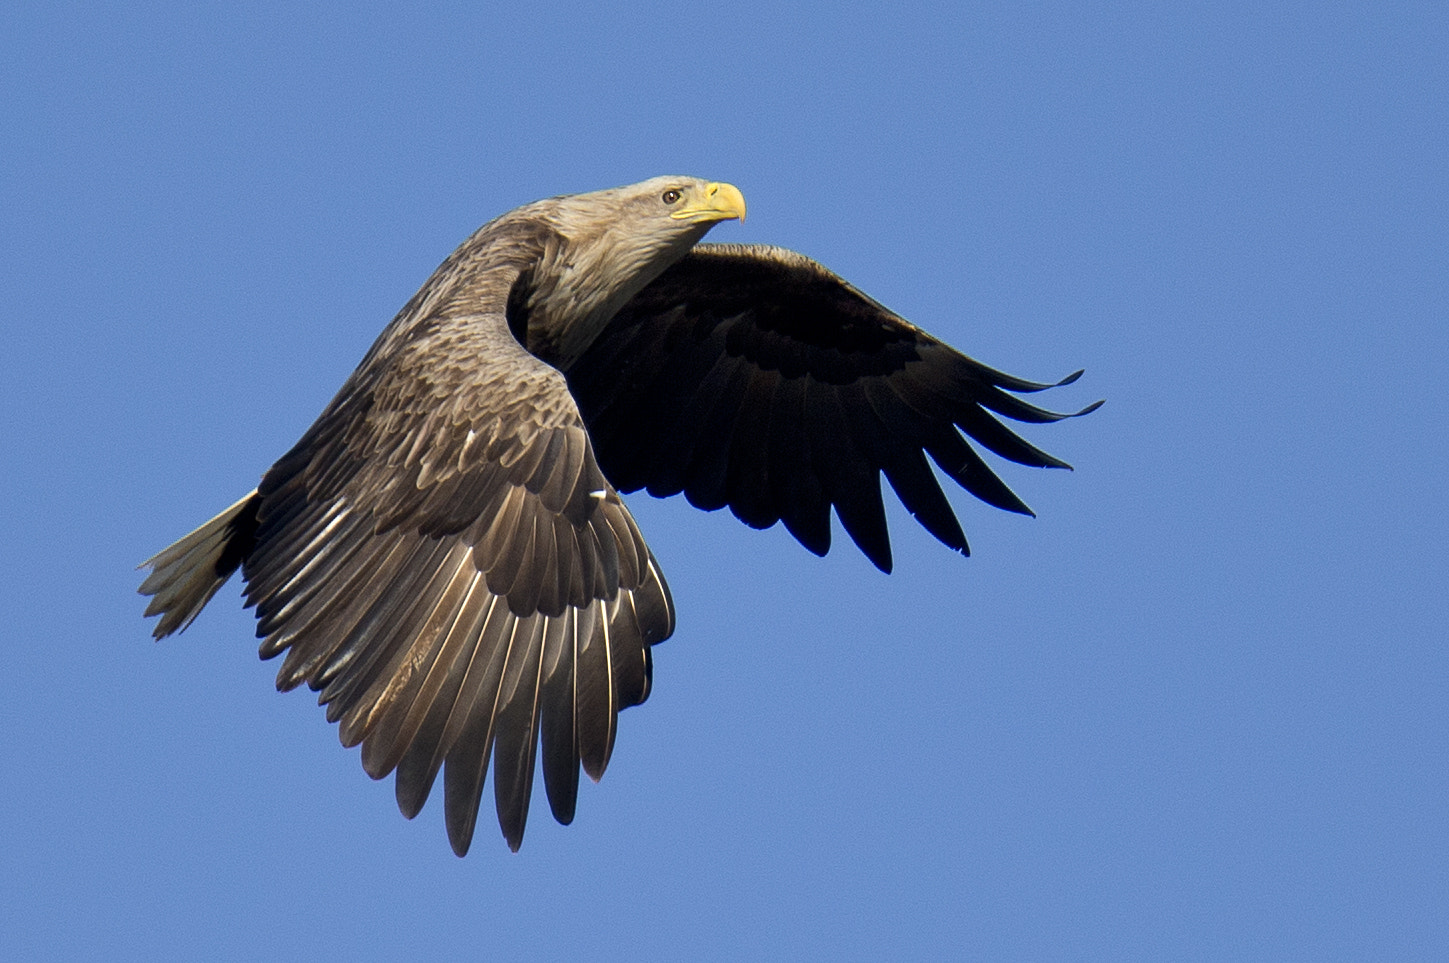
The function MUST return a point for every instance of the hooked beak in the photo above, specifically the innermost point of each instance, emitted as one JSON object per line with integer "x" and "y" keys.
{"x": 716, "y": 202}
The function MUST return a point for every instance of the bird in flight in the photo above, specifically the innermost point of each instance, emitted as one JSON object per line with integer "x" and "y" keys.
{"x": 444, "y": 556}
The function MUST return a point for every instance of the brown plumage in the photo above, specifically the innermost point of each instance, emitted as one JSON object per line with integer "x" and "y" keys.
{"x": 444, "y": 555}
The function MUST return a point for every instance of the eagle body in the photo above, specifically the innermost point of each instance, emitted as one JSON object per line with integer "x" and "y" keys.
{"x": 444, "y": 555}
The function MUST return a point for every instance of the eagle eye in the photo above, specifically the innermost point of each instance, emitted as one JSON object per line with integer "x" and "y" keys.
{"x": 671, "y": 196}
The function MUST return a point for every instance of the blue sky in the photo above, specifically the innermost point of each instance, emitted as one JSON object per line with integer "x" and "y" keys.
{"x": 1196, "y": 709}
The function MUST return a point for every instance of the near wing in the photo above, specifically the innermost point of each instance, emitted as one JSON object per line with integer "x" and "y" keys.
{"x": 447, "y": 565}
{"x": 752, "y": 377}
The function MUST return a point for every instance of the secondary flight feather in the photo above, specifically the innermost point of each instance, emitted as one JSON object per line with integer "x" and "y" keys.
{"x": 444, "y": 556}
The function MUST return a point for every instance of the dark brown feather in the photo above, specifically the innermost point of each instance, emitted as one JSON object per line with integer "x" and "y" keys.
{"x": 753, "y": 377}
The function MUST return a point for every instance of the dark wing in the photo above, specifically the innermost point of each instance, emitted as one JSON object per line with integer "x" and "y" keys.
{"x": 441, "y": 558}
{"x": 753, "y": 377}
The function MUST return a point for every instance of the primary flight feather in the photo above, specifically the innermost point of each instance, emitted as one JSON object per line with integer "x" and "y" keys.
{"x": 444, "y": 555}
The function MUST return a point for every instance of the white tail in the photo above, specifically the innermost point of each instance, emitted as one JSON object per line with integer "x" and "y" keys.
{"x": 186, "y": 574}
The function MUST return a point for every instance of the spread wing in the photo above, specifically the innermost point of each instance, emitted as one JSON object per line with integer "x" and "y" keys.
{"x": 442, "y": 559}
{"x": 752, "y": 377}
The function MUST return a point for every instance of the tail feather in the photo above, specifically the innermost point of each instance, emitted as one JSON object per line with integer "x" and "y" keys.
{"x": 186, "y": 574}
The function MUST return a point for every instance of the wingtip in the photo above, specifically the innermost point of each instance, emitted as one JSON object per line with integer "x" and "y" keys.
{"x": 594, "y": 769}
{"x": 1069, "y": 379}
{"x": 460, "y": 841}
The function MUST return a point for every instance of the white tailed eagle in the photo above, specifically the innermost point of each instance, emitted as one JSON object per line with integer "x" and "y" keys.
{"x": 444, "y": 555}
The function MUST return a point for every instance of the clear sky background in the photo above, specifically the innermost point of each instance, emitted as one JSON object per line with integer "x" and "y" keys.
{"x": 1199, "y": 708}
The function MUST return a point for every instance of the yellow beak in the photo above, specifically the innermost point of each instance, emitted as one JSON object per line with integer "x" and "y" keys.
{"x": 716, "y": 202}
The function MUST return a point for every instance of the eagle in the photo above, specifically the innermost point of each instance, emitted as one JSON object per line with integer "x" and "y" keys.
{"x": 444, "y": 556}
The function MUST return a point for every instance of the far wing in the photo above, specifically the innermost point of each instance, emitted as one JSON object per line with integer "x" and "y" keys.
{"x": 752, "y": 377}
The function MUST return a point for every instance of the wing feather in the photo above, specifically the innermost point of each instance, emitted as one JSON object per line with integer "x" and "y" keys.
{"x": 381, "y": 634}
{"x": 310, "y": 637}
{"x": 557, "y": 727}
{"x": 397, "y": 713}
{"x": 423, "y": 754}
{"x": 851, "y": 482}
{"x": 706, "y": 480}
{"x": 799, "y": 495}
{"x": 468, "y": 757}
{"x": 748, "y": 476}
{"x": 596, "y": 702}
{"x": 517, "y": 728}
